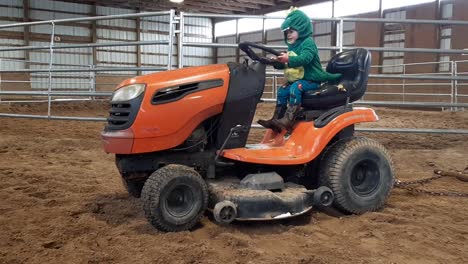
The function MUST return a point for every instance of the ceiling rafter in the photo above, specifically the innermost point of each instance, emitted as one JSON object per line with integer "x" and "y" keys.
{"x": 247, "y": 7}
{"x": 187, "y": 7}
{"x": 259, "y": 2}
{"x": 231, "y": 3}
{"x": 204, "y": 4}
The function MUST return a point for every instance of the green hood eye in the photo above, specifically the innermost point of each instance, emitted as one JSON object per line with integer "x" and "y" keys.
{"x": 300, "y": 22}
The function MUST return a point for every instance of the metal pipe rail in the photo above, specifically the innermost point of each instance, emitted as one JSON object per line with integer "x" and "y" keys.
{"x": 411, "y": 94}
{"x": 54, "y": 93}
{"x": 85, "y": 19}
{"x": 89, "y": 69}
{"x": 89, "y": 45}
{"x": 41, "y": 62}
{"x": 53, "y": 117}
{"x": 228, "y": 45}
{"x": 414, "y": 50}
{"x": 379, "y": 49}
{"x": 403, "y": 130}
{"x": 396, "y": 104}
{"x": 396, "y": 76}
{"x": 415, "y": 130}
{"x": 417, "y": 77}
{"x": 344, "y": 19}
{"x": 53, "y": 100}
{"x": 409, "y": 104}
{"x": 409, "y": 84}
{"x": 45, "y": 81}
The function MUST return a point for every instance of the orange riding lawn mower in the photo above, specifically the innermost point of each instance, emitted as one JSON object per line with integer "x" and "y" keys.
{"x": 179, "y": 139}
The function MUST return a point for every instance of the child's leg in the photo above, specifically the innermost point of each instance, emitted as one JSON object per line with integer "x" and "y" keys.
{"x": 282, "y": 97}
{"x": 282, "y": 94}
{"x": 297, "y": 88}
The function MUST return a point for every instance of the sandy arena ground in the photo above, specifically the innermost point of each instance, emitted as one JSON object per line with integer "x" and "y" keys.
{"x": 61, "y": 201}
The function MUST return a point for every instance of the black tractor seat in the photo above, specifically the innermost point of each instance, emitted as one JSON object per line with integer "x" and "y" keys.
{"x": 322, "y": 117}
{"x": 354, "y": 66}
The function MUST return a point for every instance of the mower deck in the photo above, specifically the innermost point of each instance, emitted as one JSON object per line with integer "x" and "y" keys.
{"x": 253, "y": 204}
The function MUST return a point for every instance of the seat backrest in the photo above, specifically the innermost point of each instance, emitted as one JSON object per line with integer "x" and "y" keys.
{"x": 354, "y": 65}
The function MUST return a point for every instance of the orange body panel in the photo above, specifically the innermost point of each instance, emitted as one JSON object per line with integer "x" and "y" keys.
{"x": 305, "y": 143}
{"x": 118, "y": 141}
{"x": 164, "y": 126}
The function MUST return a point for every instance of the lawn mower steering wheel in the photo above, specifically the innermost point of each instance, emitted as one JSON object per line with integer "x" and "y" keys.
{"x": 247, "y": 48}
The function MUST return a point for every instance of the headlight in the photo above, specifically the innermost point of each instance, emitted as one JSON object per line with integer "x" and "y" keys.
{"x": 128, "y": 92}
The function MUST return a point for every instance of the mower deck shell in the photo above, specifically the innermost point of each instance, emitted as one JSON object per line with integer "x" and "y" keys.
{"x": 261, "y": 204}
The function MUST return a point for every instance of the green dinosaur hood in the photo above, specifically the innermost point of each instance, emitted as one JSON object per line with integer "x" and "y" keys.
{"x": 300, "y": 22}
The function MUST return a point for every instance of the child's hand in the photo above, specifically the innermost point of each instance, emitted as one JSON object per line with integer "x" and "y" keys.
{"x": 284, "y": 58}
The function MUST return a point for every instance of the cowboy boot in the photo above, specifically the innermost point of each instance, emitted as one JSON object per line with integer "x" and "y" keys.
{"x": 289, "y": 117}
{"x": 279, "y": 113}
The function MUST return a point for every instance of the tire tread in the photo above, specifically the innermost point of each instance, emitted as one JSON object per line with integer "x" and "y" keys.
{"x": 153, "y": 186}
{"x": 332, "y": 162}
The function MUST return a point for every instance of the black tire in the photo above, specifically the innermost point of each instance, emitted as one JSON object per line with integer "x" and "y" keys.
{"x": 174, "y": 198}
{"x": 360, "y": 173}
{"x": 323, "y": 197}
{"x": 225, "y": 212}
{"x": 133, "y": 188}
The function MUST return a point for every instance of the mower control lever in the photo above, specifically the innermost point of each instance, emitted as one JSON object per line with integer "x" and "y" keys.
{"x": 234, "y": 131}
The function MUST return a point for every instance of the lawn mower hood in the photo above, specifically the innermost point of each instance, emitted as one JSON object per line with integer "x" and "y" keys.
{"x": 160, "y": 111}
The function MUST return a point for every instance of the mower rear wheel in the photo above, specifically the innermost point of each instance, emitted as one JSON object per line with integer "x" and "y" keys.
{"x": 174, "y": 198}
{"x": 360, "y": 173}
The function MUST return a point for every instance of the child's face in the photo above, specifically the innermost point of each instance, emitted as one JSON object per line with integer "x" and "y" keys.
{"x": 292, "y": 35}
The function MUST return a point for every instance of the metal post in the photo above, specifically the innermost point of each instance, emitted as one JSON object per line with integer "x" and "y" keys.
{"x": 456, "y": 84}
{"x": 237, "y": 41}
{"x": 180, "y": 41}
{"x": 333, "y": 8}
{"x": 264, "y": 39}
{"x": 51, "y": 61}
{"x": 171, "y": 38}
{"x": 452, "y": 90}
{"x": 333, "y": 30}
{"x": 339, "y": 39}
{"x": 138, "y": 38}
{"x": 0, "y": 78}
{"x": 214, "y": 40}
{"x": 27, "y": 29}
{"x": 404, "y": 82}
{"x": 92, "y": 82}
{"x": 274, "y": 87}
{"x": 337, "y": 33}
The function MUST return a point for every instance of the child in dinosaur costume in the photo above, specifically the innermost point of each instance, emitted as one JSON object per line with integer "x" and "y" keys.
{"x": 302, "y": 69}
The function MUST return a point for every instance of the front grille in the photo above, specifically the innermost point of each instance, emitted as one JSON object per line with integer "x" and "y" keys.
{"x": 119, "y": 114}
{"x": 123, "y": 114}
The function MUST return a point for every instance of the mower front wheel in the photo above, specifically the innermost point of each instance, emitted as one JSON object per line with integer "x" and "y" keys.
{"x": 174, "y": 198}
{"x": 360, "y": 173}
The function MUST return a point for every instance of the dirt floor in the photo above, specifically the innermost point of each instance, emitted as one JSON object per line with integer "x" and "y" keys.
{"x": 62, "y": 201}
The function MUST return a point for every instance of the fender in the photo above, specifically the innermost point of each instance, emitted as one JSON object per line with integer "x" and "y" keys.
{"x": 304, "y": 144}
